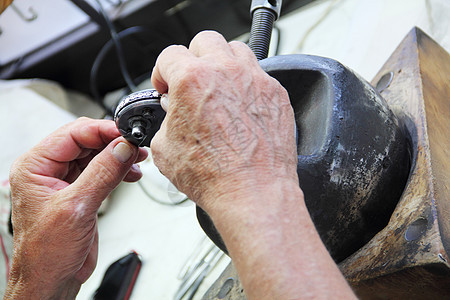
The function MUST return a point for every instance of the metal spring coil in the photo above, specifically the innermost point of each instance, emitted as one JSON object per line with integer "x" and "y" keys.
{"x": 261, "y": 32}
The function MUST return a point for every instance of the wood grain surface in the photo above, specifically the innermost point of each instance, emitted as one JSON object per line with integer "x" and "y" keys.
{"x": 410, "y": 257}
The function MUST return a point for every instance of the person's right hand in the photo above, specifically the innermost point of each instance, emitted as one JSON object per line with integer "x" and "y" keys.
{"x": 229, "y": 125}
{"x": 228, "y": 142}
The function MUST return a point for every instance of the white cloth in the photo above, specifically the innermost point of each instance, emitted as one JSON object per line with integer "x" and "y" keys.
{"x": 26, "y": 116}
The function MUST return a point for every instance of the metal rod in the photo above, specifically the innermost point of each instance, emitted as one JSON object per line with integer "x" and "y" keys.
{"x": 33, "y": 14}
{"x": 264, "y": 13}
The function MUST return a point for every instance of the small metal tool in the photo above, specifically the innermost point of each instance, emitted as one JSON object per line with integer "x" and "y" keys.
{"x": 198, "y": 270}
{"x": 32, "y": 14}
{"x": 139, "y": 116}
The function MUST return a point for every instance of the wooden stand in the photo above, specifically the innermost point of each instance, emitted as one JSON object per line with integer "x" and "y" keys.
{"x": 409, "y": 258}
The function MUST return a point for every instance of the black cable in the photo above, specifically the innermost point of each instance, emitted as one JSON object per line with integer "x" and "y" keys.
{"x": 119, "y": 50}
{"x": 100, "y": 57}
{"x": 115, "y": 40}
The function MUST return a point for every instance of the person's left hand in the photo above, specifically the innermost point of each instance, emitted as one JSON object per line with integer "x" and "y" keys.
{"x": 56, "y": 189}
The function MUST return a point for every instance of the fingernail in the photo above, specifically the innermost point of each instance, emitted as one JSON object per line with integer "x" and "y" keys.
{"x": 164, "y": 101}
{"x": 122, "y": 152}
{"x": 136, "y": 168}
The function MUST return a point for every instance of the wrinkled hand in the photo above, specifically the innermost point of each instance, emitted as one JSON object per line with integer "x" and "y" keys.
{"x": 57, "y": 188}
{"x": 228, "y": 142}
{"x": 229, "y": 125}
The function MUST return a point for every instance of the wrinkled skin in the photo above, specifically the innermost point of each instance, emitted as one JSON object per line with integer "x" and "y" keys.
{"x": 57, "y": 188}
{"x": 227, "y": 123}
{"x": 228, "y": 142}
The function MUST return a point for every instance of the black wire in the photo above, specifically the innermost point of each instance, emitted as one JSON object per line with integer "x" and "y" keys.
{"x": 105, "y": 50}
{"x": 115, "y": 40}
{"x": 119, "y": 50}
{"x": 100, "y": 57}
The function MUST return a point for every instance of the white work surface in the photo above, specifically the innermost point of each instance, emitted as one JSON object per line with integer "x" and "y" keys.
{"x": 359, "y": 33}
{"x": 163, "y": 236}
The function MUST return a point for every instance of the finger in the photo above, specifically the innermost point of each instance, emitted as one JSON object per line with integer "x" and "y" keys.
{"x": 167, "y": 63}
{"x": 69, "y": 142}
{"x": 210, "y": 42}
{"x": 74, "y": 171}
{"x": 157, "y": 146}
{"x": 83, "y": 162}
{"x": 165, "y": 102}
{"x": 76, "y": 167}
{"x": 104, "y": 173}
{"x": 142, "y": 155}
{"x": 51, "y": 155}
{"x": 85, "y": 153}
{"x": 134, "y": 174}
{"x": 243, "y": 51}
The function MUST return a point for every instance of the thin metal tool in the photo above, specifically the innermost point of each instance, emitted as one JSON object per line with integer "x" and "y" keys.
{"x": 206, "y": 272}
{"x": 24, "y": 16}
{"x": 198, "y": 273}
{"x": 197, "y": 263}
{"x": 188, "y": 265}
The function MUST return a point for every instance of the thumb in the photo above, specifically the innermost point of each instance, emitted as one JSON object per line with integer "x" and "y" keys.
{"x": 105, "y": 171}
